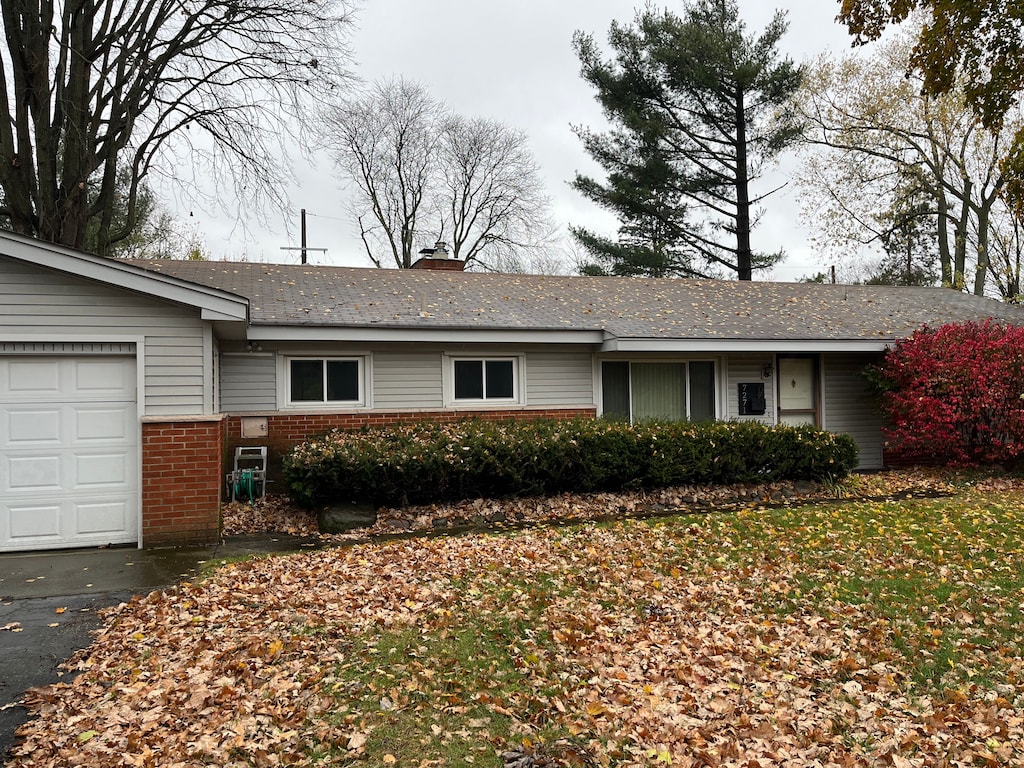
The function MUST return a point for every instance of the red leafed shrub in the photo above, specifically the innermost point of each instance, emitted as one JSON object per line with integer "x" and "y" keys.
{"x": 953, "y": 394}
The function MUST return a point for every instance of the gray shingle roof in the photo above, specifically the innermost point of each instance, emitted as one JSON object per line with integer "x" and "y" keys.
{"x": 294, "y": 295}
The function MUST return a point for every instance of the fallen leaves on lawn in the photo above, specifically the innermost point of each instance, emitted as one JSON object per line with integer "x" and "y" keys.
{"x": 649, "y": 643}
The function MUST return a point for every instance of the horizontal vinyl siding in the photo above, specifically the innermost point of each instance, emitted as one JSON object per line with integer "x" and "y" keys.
{"x": 749, "y": 370}
{"x": 407, "y": 379}
{"x": 411, "y": 377}
{"x": 849, "y": 406}
{"x": 248, "y": 383}
{"x": 35, "y": 301}
{"x": 562, "y": 377}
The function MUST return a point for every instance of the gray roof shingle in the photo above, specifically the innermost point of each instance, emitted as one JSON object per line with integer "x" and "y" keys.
{"x": 304, "y": 295}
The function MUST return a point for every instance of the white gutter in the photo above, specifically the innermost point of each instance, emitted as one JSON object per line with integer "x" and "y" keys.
{"x": 605, "y": 342}
{"x": 744, "y": 345}
{"x": 444, "y": 335}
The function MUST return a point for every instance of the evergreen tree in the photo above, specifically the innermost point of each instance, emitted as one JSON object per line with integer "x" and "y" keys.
{"x": 697, "y": 111}
{"x": 909, "y": 235}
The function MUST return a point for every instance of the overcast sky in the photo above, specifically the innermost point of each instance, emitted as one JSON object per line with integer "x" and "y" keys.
{"x": 513, "y": 62}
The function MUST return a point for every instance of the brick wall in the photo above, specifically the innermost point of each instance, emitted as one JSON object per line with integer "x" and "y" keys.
{"x": 286, "y": 429}
{"x": 182, "y": 465}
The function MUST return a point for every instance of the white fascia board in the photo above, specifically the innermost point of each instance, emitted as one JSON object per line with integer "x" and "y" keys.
{"x": 212, "y": 314}
{"x": 216, "y": 305}
{"x": 439, "y": 335}
{"x": 745, "y": 345}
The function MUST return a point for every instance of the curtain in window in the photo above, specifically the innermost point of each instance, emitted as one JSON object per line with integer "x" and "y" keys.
{"x": 659, "y": 391}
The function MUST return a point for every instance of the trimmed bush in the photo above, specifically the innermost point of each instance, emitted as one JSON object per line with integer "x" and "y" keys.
{"x": 427, "y": 463}
{"x": 955, "y": 395}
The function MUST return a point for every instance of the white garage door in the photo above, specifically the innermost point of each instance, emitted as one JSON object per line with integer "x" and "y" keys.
{"x": 69, "y": 452}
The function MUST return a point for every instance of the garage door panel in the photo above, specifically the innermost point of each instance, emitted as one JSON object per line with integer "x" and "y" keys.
{"x": 67, "y": 379}
{"x": 107, "y": 379}
{"x": 26, "y": 377}
{"x": 31, "y": 427}
{"x": 101, "y": 517}
{"x": 35, "y": 523}
{"x": 33, "y": 472}
{"x": 98, "y": 521}
{"x": 103, "y": 469}
{"x": 101, "y": 423}
{"x": 27, "y": 426}
{"x": 69, "y": 452}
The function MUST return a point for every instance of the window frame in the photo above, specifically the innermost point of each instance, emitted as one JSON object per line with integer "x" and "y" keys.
{"x": 716, "y": 384}
{"x": 285, "y": 381}
{"x": 518, "y": 381}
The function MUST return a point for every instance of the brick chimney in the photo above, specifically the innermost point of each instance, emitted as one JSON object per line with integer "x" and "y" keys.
{"x": 437, "y": 258}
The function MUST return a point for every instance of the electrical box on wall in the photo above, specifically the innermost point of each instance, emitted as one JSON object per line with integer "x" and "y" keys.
{"x": 751, "y": 399}
{"x": 254, "y": 426}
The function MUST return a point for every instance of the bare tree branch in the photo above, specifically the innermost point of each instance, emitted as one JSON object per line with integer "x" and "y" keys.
{"x": 92, "y": 88}
{"x": 413, "y": 161}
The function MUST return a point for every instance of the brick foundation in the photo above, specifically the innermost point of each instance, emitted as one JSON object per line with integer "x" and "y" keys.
{"x": 284, "y": 430}
{"x": 182, "y": 461}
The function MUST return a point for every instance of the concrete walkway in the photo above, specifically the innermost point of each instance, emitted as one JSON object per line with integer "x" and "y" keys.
{"x": 50, "y": 601}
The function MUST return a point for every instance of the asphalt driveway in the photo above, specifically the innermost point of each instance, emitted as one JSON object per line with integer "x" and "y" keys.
{"x": 50, "y": 604}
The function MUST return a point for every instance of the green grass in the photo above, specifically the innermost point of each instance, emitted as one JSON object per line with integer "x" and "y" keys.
{"x": 442, "y": 694}
{"x": 944, "y": 576}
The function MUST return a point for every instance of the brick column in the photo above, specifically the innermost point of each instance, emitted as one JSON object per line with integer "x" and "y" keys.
{"x": 182, "y": 461}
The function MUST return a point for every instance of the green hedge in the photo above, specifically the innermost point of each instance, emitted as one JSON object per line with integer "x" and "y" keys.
{"x": 427, "y": 463}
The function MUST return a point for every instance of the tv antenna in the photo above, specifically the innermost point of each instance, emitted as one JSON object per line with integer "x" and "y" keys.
{"x": 302, "y": 239}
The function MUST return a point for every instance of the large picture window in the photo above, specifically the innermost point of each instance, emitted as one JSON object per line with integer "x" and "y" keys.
{"x": 485, "y": 379}
{"x": 666, "y": 391}
{"x": 325, "y": 380}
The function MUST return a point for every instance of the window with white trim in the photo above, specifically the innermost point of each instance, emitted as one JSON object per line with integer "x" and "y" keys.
{"x": 325, "y": 381}
{"x": 493, "y": 379}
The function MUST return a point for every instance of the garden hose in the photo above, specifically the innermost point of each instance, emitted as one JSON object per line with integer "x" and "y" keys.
{"x": 245, "y": 485}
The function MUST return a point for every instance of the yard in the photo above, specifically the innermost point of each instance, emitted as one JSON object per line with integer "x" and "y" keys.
{"x": 836, "y": 633}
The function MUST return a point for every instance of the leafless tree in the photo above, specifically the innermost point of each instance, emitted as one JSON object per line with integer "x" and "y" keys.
{"x": 386, "y": 144}
{"x": 199, "y": 90}
{"x": 494, "y": 197}
{"x": 423, "y": 173}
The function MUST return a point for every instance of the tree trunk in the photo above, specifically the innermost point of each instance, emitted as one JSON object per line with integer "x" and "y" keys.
{"x": 744, "y": 270}
{"x": 981, "y": 273}
{"x": 66, "y": 225}
{"x": 960, "y": 241}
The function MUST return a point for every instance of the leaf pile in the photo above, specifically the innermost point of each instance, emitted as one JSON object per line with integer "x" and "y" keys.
{"x": 276, "y": 514}
{"x": 790, "y": 637}
{"x": 269, "y": 514}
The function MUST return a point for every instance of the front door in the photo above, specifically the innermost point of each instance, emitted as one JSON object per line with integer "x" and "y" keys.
{"x": 798, "y": 390}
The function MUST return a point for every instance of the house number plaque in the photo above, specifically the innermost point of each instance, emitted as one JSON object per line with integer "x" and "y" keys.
{"x": 751, "y": 399}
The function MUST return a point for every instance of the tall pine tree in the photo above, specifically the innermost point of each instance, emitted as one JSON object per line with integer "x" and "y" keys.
{"x": 697, "y": 109}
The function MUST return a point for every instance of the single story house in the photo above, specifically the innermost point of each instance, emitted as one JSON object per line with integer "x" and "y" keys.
{"x": 126, "y": 386}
